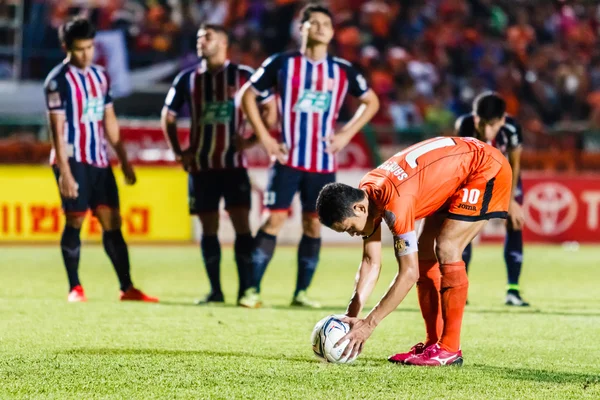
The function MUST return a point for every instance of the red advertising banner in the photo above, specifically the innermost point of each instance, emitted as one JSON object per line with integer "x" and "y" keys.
{"x": 562, "y": 208}
{"x": 146, "y": 144}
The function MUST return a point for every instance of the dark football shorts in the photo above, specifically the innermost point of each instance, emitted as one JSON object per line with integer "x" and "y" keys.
{"x": 206, "y": 188}
{"x": 285, "y": 181}
{"x": 97, "y": 188}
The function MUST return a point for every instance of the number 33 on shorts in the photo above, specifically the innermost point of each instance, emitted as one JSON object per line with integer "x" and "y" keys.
{"x": 269, "y": 198}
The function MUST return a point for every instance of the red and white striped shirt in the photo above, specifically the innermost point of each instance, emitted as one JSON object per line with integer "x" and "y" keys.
{"x": 215, "y": 118}
{"x": 310, "y": 97}
{"x": 82, "y": 96}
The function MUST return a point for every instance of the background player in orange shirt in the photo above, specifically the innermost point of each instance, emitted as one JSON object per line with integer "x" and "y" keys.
{"x": 458, "y": 184}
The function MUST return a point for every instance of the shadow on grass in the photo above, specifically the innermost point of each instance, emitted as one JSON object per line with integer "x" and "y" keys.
{"x": 539, "y": 375}
{"x": 507, "y": 310}
{"x": 325, "y": 309}
{"x": 193, "y": 304}
{"x": 587, "y": 381}
{"x": 532, "y": 311}
{"x": 204, "y": 353}
{"x": 341, "y": 309}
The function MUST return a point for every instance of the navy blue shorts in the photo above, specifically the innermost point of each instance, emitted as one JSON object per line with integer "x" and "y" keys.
{"x": 97, "y": 187}
{"x": 206, "y": 188}
{"x": 285, "y": 181}
{"x": 519, "y": 191}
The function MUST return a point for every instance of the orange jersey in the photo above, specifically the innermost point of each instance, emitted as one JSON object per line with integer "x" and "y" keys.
{"x": 466, "y": 177}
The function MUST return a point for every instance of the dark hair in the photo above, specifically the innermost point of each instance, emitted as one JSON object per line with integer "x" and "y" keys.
{"x": 217, "y": 28}
{"x": 335, "y": 202}
{"x": 312, "y": 8}
{"x": 76, "y": 29}
{"x": 489, "y": 106}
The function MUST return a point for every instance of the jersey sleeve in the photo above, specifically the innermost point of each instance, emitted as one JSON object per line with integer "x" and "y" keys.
{"x": 399, "y": 215}
{"x": 176, "y": 95}
{"x": 265, "y": 78}
{"x": 514, "y": 133}
{"x": 108, "y": 99}
{"x": 265, "y": 97}
{"x": 55, "y": 95}
{"x": 398, "y": 210}
{"x": 246, "y": 74}
{"x": 357, "y": 84}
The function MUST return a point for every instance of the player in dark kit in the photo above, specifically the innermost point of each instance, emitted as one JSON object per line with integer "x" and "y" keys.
{"x": 214, "y": 159}
{"x": 311, "y": 86}
{"x": 82, "y": 120}
{"x": 489, "y": 123}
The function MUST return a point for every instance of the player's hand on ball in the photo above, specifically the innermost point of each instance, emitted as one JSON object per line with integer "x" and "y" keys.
{"x": 360, "y": 331}
{"x": 515, "y": 215}
{"x": 68, "y": 186}
{"x": 129, "y": 173}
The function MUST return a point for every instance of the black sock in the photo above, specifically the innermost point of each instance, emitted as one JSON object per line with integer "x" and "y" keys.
{"x": 116, "y": 248}
{"x": 264, "y": 247}
{"x": 308, "y": 258}
{"x": 244, "y": 244}
{"x": 70, "y": 244}
{"x": 211, "y": 254}
{"x": 513, "y": 256}
{"x": 466, "y": 255}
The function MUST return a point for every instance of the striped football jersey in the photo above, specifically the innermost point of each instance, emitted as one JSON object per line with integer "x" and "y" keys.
{"x": 215, "y": 117}
{"x": 82, "y": 95}
{"x": 509, "y": 137}
{"x": 310, "y": 95}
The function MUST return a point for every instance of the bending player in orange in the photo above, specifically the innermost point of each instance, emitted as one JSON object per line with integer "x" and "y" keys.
{"x": 458, "y": 183}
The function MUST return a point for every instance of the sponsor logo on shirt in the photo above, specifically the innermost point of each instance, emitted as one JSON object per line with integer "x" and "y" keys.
{"x": 218, "y": 112}
{"x": 312, "y": 101}
{"x": 93, "y": 110}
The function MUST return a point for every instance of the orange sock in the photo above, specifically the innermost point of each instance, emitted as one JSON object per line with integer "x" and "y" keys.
{"x": 428, "y": 290}
{"x": 455, "y": 286}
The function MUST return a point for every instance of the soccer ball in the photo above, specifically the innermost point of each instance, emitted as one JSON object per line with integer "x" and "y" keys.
{"x": 325, "y": 335}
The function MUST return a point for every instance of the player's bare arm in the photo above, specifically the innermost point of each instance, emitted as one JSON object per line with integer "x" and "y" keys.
{"x": 268, "y": 113}
{"x": 405, "y": 279}
{"x": 515, "y": 212}
{"x": 111, "y": 127}
{"x": 168, "y": 122}
{"x": 67, "y": 184}
{"x": 369, "y": 105}
{"x": 243, "y": 143}
{"x": 367, "y": 274}
{"x": 252, "y": 112}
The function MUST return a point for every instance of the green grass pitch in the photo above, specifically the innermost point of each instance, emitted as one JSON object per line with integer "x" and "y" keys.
{"x": 106, "y": 349}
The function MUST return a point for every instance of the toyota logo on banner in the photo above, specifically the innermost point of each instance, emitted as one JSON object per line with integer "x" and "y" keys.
{"x": 550, "y": 208}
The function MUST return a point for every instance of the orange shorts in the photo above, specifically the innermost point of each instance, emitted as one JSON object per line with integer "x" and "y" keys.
{"x": 485, "y": 194}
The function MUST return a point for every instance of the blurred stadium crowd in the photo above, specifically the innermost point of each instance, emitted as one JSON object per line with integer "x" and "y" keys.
{"x": 425, "y": 59}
